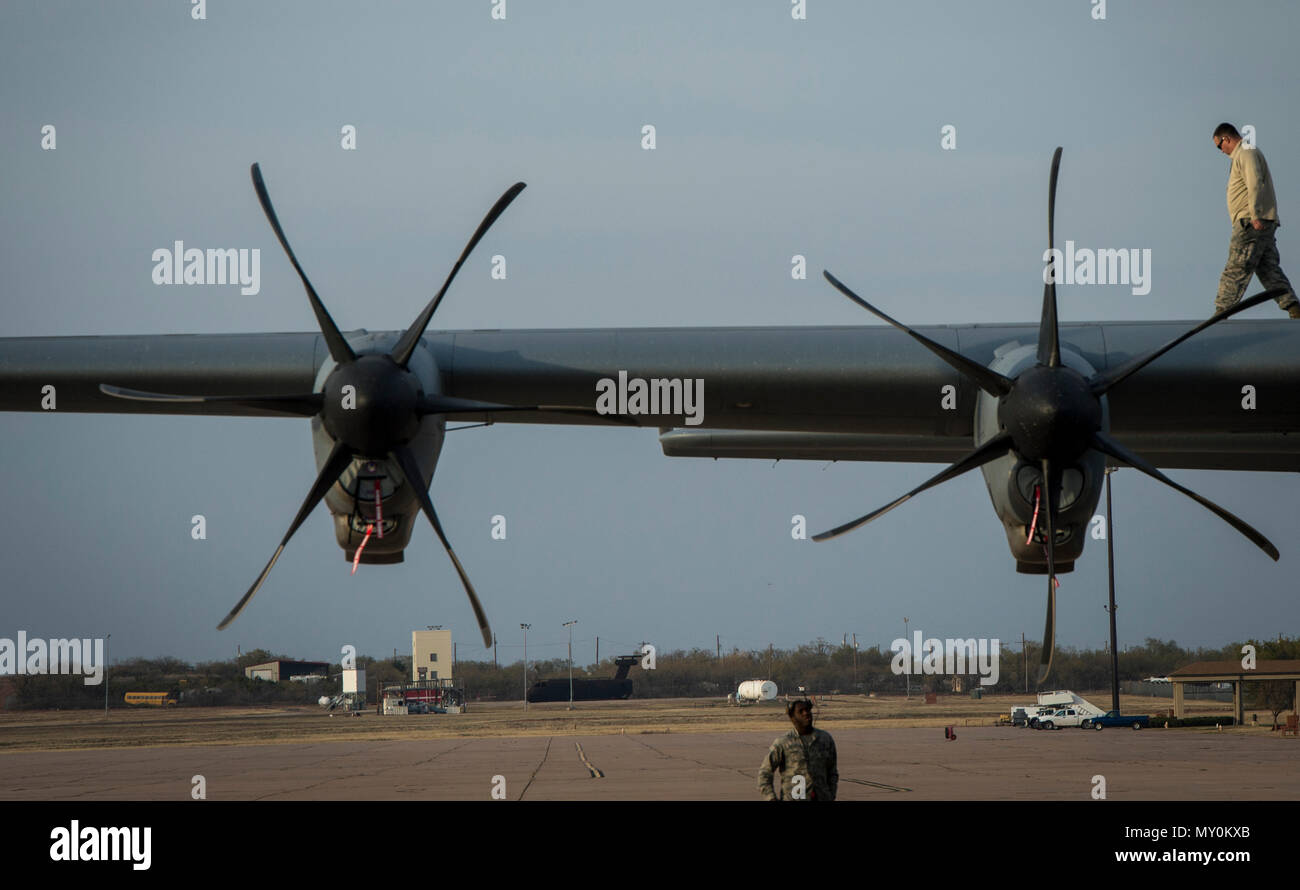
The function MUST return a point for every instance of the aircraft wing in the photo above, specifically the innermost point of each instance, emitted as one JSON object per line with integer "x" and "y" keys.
{"x": 1225, "y": 400}
{"x": 182, "y": 364}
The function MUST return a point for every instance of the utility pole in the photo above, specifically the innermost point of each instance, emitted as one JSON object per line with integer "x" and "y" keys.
{"x": 494, "y": 649}
{"x": 717, "y": 641}
{"x": 569, "y": 625}
{"x": 106, "y": 639}
{"x": 1024, "y": 661}
{"x": 908, "y": 672}
{"x": 525, "y": 629}
{"x": 1110, "y": 566}
{"x": 597, "y": 651}
{"x": 855, "y": 661}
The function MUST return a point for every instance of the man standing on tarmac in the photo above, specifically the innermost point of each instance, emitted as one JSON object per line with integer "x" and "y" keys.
{"x": 1252, "y": 208}
{"x": 805, "y": 757}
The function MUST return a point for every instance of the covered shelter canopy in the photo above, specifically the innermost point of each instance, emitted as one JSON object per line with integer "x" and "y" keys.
{"x": 1236, "y": 673}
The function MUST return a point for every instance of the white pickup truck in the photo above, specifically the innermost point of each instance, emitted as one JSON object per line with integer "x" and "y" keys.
{"x": 1062, "y": 718}
{"x": 1057, "y": 708}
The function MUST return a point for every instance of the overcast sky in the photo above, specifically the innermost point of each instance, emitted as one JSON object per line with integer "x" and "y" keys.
{"x": 775, "y": 136}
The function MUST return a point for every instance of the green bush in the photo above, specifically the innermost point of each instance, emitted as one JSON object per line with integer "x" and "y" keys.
{"x": 1181, "y": 722}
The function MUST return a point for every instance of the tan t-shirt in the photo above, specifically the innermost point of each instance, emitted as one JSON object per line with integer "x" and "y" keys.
{"x": 1250, "y": 187}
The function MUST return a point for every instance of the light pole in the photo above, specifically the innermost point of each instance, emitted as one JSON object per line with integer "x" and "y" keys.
{"x": 106, "y": 639}
{"x": 908, "y": 673}
{"x": 1110, "y": 566}
{"x": 569, "y": 625}
{"x": 525, "y": 628}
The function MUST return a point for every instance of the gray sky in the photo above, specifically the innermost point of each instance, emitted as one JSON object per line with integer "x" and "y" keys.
{"x": 774, "y": 137}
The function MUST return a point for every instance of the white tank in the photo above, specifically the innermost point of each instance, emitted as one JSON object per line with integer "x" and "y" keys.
{"x": 323, "y": 701}
{"x": 756, "y": 690}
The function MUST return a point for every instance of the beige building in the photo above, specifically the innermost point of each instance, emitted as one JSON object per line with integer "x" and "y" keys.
{"x": 275, "y": 671}
{"x": 431, "y": 655}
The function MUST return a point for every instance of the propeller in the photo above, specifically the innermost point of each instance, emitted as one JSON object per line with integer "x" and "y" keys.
{"x": 1049, "y": 338}
{"x": 339, "y": 348}
{"x": 386, "y": 403}
{"x": 1049, "y": 628}
{"x": 1051, "y": 414}
{"x": 406, "y": 345}
{"x": 989, "y": 451}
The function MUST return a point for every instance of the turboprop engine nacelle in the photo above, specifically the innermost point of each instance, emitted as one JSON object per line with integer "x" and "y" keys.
{"x": 1012, "y": 479}
{"x": 351, "y": 500}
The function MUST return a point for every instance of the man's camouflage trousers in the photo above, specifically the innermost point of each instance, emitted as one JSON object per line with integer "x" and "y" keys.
{"x": 1252, "y": 252}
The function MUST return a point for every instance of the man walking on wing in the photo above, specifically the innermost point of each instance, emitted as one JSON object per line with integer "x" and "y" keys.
{"x": 1252, "y": 208}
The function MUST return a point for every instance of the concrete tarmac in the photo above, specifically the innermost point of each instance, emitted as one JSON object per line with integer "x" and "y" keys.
{"x": 914, "y": 763}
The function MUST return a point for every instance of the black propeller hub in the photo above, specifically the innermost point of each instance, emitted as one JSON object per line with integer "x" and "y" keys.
{"x": 371, "y": 405}
{"x": 1050, "y": 413}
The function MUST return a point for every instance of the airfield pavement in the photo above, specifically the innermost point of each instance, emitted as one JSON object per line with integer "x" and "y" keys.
{"x": 674, "y": 750}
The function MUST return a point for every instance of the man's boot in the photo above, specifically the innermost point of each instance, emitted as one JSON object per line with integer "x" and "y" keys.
{"x": 1294, "y": 310}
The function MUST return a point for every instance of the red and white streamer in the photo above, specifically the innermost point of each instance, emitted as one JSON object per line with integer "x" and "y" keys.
{"x": 356, "y": 557}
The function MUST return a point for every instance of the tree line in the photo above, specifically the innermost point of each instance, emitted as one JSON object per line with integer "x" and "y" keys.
{"x": 819, "y": 667}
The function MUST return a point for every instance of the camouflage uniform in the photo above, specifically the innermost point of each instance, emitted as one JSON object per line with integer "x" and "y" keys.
{"x": 811, "y": 756}
{"x": 1251, "y": 251}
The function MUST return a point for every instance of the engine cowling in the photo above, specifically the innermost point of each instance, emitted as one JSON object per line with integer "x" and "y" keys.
{"x": 1011, "y": 480}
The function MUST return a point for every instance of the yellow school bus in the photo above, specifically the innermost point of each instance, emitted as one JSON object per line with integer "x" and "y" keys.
{"x": 158, "y": 699}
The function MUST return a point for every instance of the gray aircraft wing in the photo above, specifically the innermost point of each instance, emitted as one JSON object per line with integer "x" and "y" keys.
{"x": 1225, "y": 400}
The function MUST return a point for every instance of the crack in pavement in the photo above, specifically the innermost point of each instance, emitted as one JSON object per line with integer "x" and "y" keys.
{"x": 752, "y": 774}
{"x": 545, "y": 754}
{"x": 874, "y": 784}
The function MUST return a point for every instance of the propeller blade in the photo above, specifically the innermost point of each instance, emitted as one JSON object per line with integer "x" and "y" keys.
{"x": 411, "y": 470}
{"x": 1049, "y": 339}
{"x": 306, "y": 405}
{"x": 406, "y": 345}
{"x": 990, "y": 450}
{"x": 335, "y": 464}
{"x": 1107, "y": 445}
{"x": 339, "y": 348}
{"x": 991, "y": 382}
{"x": 450, "y": 406}
{"x": 1049, "y": 630}
{"x": 1103, "y": 381}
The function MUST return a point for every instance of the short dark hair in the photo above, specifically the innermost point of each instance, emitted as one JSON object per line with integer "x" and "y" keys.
{"x": 1226, "y": 129}
{"x": 789, "y": 708}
